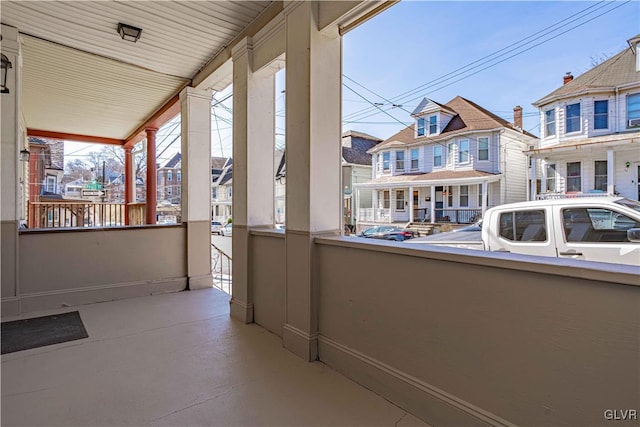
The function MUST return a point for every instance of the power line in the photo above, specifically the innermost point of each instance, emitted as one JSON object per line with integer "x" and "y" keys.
{"x": 455, "y": 73}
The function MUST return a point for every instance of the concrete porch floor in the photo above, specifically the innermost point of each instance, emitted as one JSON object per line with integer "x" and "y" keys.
{"x": 179, "y": 359}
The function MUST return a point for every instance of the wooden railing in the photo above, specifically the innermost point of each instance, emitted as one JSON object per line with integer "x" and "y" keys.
{"x": 137, "y": 212}
{"x": 74, "y": 214}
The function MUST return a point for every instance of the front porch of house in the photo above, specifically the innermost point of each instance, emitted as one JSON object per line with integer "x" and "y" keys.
{"x": 180, "y": 359}
{"x": 448, "y": 202}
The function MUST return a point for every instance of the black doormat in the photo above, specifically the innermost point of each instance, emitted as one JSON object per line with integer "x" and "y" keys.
{"x": 24, "y": 334}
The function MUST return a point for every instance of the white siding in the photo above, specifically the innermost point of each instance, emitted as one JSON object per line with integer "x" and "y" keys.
{"x": 515, "y": 164}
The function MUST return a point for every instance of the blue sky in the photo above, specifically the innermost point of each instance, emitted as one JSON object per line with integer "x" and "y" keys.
{"x": 415, "y": 42}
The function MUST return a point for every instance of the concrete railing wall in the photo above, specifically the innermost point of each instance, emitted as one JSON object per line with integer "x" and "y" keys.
{"x": 268, "y": 279}
{"x": 467, "y": 338}
{"x": 71, "y": 267}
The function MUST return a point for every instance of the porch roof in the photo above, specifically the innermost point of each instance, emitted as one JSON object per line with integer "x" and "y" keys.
{"x": 446, "y": 177}
{"x": 624, "y": 141}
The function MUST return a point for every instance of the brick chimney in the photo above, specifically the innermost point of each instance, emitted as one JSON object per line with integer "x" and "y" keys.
{"x": 567, "y": 78}
{"x": 517, "y": 116}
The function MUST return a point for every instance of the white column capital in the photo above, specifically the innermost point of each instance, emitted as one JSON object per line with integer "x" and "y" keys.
{"x": 290, "y": 5}
{"x": 243, "y": 47}
{"x": 189, "y": 92}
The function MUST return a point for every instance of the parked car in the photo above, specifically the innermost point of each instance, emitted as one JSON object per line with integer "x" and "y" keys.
{"x": 227, "y": 230}
{"x": 605, "y": 229}
{"x": 216, "y": 227}
{"x": 387, "y": 232}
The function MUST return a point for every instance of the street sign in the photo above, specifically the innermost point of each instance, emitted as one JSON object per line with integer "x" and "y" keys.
{"x": 92, "y": 193}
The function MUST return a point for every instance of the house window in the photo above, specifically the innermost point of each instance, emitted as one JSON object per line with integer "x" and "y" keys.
{"x": 633, "y": 110}
{"x": 483, "y": 148}
{"x": 437, "y": 155}
{"x": 385, "y": 199}
{"x": 464, "y": 196}
{"x": 168, "y": 191}
{"x": 230, "y": 192}
{"x": 601, "y": 114}
{"x": 385, "y": 161}
{"x": 179, "y": 176}
{"x": 550, "y": 122}
{"x": 400, "y": 200}
{"x": 50, "y": 185}
{"x": 449, "y": 196}
{"x": 433, "y": 125}
{"x": 574, "y": 180}
{"x": 169, "y": 175}
{"x": 421, "y": 126}
{"x": 551, "y": 177}
{"x": 414, "y": 159}
{"x": 600, "y": 182}
{"x": 463, "y": 151}
{"x": 573, "y": 118}
{"x": 451, "y": 149}
{"x": 214, "y": 193}
{"x": 400, "y": 160}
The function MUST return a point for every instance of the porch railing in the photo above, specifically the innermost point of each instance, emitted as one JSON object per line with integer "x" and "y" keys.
{"x": 458, "y": 216}
{"x": 373, "y": 214}
{"x": 221, "y": 269}
{"x": 137, "y": 212}
{"x": 74, "y": 214}
{"x": 421, "y": 214}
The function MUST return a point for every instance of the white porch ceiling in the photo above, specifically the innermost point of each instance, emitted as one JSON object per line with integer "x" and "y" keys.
{"x": 81, "y": 77}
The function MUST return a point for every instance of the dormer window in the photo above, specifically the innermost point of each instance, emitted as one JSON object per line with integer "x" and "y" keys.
{"x": 433, "y": 125}
{"x": 420, "y": 126}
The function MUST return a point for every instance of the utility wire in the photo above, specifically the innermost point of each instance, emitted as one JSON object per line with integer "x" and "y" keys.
{"x": 453, "y": 74}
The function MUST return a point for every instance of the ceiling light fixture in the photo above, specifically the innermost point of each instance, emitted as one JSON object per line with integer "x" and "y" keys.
{"x": 129, "y": 32}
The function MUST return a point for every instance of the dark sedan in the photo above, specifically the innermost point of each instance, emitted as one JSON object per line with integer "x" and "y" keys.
{"x": 387, "y": 232}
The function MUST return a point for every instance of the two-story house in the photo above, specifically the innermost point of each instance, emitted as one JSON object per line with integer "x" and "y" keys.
{"x": 450, "y": 165}
{"x": 170, "y": 180}
{"x": 221, "y": 189}
{"x": 590, "y": 130}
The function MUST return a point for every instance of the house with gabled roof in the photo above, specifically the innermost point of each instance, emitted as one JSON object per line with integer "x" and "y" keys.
{"x": 456, "y": 160}
{"x": 590, "y": 130}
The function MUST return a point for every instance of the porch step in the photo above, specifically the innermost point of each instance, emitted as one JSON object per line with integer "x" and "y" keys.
{"x": 422, "y": 228}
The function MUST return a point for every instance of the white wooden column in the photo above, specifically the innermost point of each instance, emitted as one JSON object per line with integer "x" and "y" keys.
{"x": 374, "y": 203}
{"x": 392, "y": 199}
{"x": 433, "y": 204}
{"x": 543, "y": 178}
{"x": 532, "y": 191}
{"x": 611, "y": 172}
{"x": 253, "y": 167}
{"x": 10, "y": 145}
{"x": 314, "y": 193}
{"x": 411, "y": 204}
{"x": 485, "y": 196}
{"x": 195, "y": 112}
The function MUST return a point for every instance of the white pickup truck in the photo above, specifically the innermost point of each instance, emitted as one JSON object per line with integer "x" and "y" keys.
{"x": 604, "y": 229}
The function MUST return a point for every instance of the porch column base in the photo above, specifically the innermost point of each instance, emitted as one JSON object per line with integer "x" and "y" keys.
{"x": 241, "y": 311}
{"x": 199, "y": 282}
{"x": 300, "y": 343}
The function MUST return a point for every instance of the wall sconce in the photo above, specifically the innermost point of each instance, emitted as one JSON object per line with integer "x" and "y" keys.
{"x": 427, "y": 199}
{"x": 627, "y": 165}
{"x": 6, "y": 64}
{"x": 24, "y": 155}
{"x": 129, "y": 32}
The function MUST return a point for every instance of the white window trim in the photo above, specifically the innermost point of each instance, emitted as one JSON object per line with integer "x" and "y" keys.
{"x": 488, "y": 149}
{"x": 451, "y": 152}
{"x": 382, "y": 168}
{"x": 417, "y": 150}
{"x": 442, "y": 156}
{"x": 404, "y": 201}
{"x": 404, "y": 161}
{"x": 459, "y": 153}
{"x": 428, "y": 125}
{"x": 555, "y": 122}
{"x": 424, "y": 127}
{"x": 575, "y": 132}
{"x": 594, "y": 116}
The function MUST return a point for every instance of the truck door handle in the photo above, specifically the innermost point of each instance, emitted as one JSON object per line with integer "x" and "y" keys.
{"x": 571, "y": 253}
